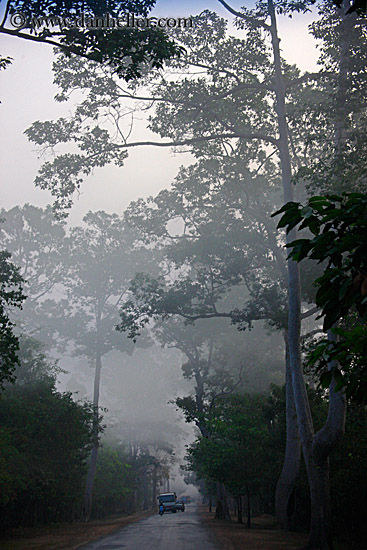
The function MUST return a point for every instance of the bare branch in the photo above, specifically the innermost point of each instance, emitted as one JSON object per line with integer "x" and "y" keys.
{"x": 310, "y": 312}
{"x": 205, "y": 316}
{"x": 214, "y": 69}
{"x": 236, "y": 89}
{"x": 243, "y": 16}
{"x": 190, "y": 141}
{"x": 35, "y": 38}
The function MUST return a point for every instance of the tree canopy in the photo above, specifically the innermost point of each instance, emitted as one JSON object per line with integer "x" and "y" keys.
{"x": 125, "y": 49}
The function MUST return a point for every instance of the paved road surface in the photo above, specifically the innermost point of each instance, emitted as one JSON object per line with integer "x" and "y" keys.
{"x": 180, "y": 531}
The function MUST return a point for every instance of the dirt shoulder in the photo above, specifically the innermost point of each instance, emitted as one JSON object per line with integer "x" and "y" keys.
{"x": 66, "y": 536}
{"x": 231, "y": 535}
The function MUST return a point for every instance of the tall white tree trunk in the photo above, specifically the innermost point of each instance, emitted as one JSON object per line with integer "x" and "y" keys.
{"x": 292, "y": 457}
{"x": 316, "y": 449}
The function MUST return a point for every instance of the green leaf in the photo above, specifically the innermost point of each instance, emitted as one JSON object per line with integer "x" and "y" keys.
{"x": 325, "y": 379}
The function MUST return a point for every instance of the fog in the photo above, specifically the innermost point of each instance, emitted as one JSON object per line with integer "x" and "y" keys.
{"x": 155, "y": 331}
{"x": 27, "y": 93}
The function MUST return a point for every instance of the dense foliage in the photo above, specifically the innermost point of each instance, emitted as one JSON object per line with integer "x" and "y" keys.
{"x": 125, "y": 49}
{"x": 45, "y": 441}
{"x": 339, "y": 241}
{"x": 11, "y": 296}
{"x": 339, "y": 228}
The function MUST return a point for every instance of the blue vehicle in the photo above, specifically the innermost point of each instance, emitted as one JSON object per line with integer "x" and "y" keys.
{"x": 180, "y": 505}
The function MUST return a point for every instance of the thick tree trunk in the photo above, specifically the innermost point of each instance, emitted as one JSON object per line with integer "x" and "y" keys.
{"x": 317, "y": 478}
{"x": 292, "y": 458}
{"x": 87, "y": 507}
{"x": 222, "y": 509}
{"x": 320, "y": 529}
{"x": 331, "y": 433}
{"x": 323, "y": 443}
{"x": 316, "y": 465}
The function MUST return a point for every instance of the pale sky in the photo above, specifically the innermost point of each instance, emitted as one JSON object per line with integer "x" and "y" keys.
{"x": 26, "y": 94}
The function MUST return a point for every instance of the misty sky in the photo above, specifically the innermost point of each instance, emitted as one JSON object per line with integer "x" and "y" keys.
{"x": 26, "y": 94}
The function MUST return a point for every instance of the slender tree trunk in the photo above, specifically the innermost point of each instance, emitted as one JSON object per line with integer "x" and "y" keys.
{"x": 239, "y": 509}
{"x": 248, "y": 508}
{"x": 154, "y": 489}
{"x": 292, "y": 458}
{"x": 222, "y": 508}
{"x": 135, "y": 500}
{"x": 145, "y": 490}
{"x": 87, "y": 508}
{"x": 210, "y": 503}
{"x": 301, "y": 402}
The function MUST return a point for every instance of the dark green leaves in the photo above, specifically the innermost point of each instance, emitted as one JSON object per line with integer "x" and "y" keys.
{"x": 349, "y": 355}
{"x": 338, "y": 225}
{"x": 125, "y": 50}
{"x": 11, "y": 296}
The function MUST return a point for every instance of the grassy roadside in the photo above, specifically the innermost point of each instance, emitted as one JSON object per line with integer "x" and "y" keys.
{"x": 70, "y": 536}
{"x": 263, "y": 535}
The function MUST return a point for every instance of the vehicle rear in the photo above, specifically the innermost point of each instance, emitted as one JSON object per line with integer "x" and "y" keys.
{"x": 180, "y": 505}
{"x": 168, "y": 501}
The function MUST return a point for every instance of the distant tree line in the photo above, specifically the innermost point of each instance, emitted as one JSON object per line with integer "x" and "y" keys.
{"x": 46, "y": 438}
{"x": 65, "y": 293}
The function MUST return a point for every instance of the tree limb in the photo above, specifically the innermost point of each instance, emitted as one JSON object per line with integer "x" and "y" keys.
{"x": 189, "y": 141}
{"x": 308, "y": 76}
{"x": 243, "y": 16}
{"x": 310, "y": 312}
{"x": 35, "y": 38}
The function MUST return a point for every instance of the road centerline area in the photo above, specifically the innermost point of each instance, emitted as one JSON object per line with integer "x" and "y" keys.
{"x": 181, "y": 531}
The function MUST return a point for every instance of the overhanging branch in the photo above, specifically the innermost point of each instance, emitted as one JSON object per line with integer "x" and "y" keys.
{"x": 191, "y": 141}
{"x": 240, "y": 15}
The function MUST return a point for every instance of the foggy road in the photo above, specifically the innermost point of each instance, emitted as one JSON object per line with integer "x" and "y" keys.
{"x": 180, "y": 531}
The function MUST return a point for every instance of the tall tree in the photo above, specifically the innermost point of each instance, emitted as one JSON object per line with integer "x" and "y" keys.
{"x": 98, "y": 260}
{"x": 236, "y": 452}
{"x": 214, "y": 377}
{"x": 35, "y": 239}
